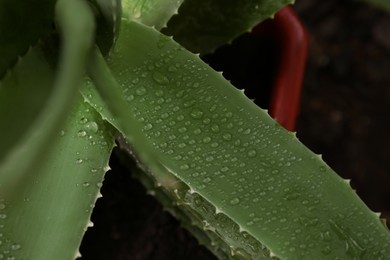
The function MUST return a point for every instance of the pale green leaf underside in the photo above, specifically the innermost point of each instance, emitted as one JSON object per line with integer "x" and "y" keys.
{"x": 150, "y": 12}
{"x": 46, "y": 218}
{"x": 230, "y": 155}
{"x": 202, "y": 26}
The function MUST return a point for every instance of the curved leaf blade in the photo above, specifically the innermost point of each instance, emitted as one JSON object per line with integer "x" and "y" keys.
{"x": 77, "y": 27}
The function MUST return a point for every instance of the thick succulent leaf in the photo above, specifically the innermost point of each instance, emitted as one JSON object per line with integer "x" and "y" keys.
{"x": 232, "y": 170}
{"x": 32, "y": 79}
{"x": 47, "y": 217}
{"x": 151, "y": 12}
{"x": 22, "y": 23}
{"x": 202, "y": 26}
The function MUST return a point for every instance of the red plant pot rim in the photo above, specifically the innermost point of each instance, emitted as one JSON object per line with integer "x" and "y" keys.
{"x": 292, "y": 44}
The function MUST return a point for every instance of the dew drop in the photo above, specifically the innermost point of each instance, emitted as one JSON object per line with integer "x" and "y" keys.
{"x": 83, "y": 120}
{"x": 184, "y": 167}
{"x": 206, "y": 121}
{"x": 182, "y": 130}
{"x": 196, "y": 113}
{"x": 209, "y": 158}
{"x": 2, "y": 206}
{"x": 130, "y": 98}
{"x": 81, "y": 133}
{"x": 135, "y": 80}
{"x": 189, "y": 103}
{"x": 227, "y": 136}
{"x": 225, "y": 169}
{"x": 172, "y": 68}
{"x": 250, "y": 223}
{"x": 206, "y": 180}
{"x": 252, "y": 153}
{"x": 235, "y": 201}
{"x": 164, "y": 115}
{"x": 79, "y": 161}
{"x": 215, "y": 128}
{"x": 62, "y": 133}
{"x": 206, "y": 139}
{"x": 141, "y": 91}
{"x": 197, "y": 131}
{"x": 292, "y": 249}
{"x": 201, "y": 186}
{"x": 229, "y": 114}
{"x": 214, "y": 144}
{"x": 86, "y": 184}
{"x": 159, "y": 93}
{"x": 160, "y": 101}
{"x": 92, "y": 126}
{"x": 15, "y": 247}
{"x": 148, "y": 126}
{"x": 160, "y": 78}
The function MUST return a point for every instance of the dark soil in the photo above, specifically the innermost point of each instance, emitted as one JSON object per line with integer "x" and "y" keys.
{"x": 344, "y": 116}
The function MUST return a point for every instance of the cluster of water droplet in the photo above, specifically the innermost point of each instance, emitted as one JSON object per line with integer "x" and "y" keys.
{"x": 7, "y": 247}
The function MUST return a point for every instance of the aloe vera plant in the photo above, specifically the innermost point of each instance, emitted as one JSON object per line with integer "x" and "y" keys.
{"x": 244, "y": 186}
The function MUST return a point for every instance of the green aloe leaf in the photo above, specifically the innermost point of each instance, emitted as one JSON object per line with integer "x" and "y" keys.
{"x": 242, "y": 183}
{"x": 22, "y": 23}
{"x": 46, "y": 219}
{"x": 46, "y": 100}
{"x": 202, "y": 26}
{"x": 150, "y": 12}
